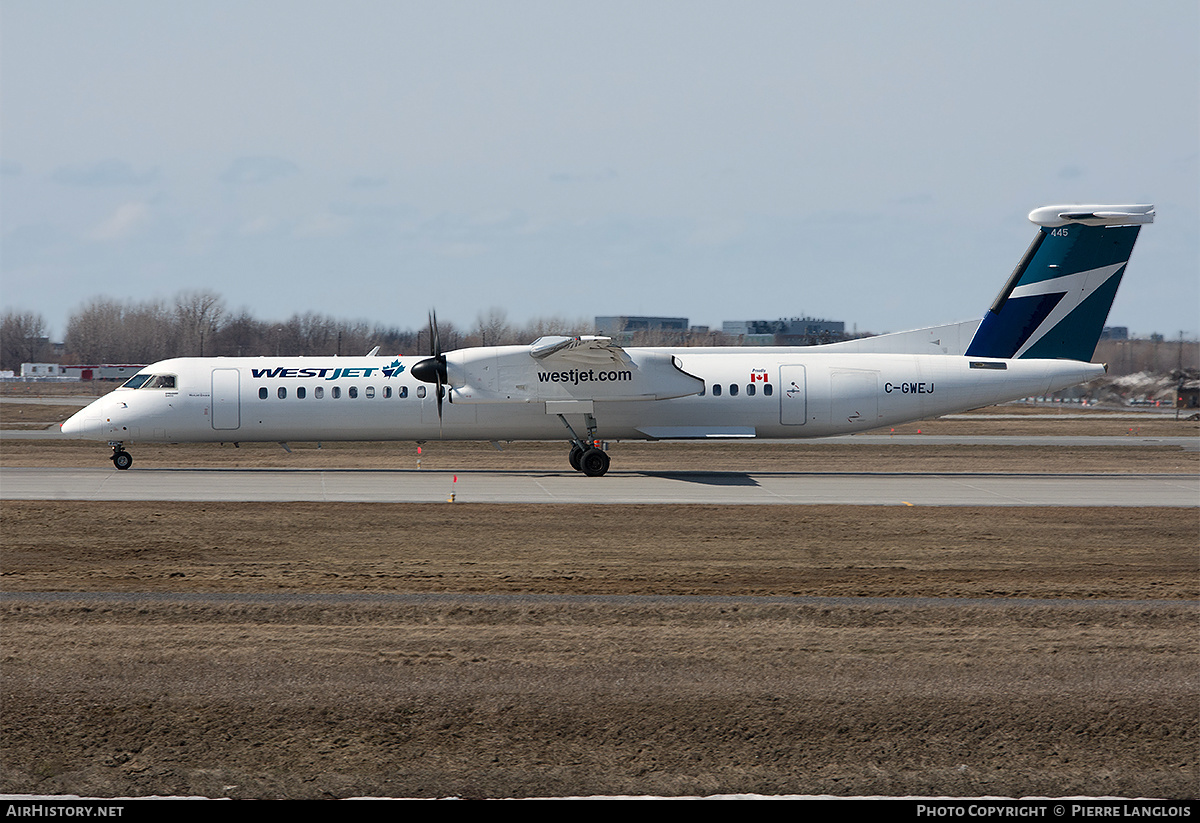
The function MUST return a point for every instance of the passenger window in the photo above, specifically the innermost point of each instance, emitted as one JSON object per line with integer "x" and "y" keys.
{"x": 282, "y": 393}
{"x": 733, "y": 389}
{"x": 387, "y": 392}
{"x": 768, "y": 390}
{"x": 335, "y": 392}
{"x": 750, "y": 389}
{"x": 319, "y": 392}
{"x": 420, "y": 391}
{"x": 300, "y": 392}
{"x": 370, "y": 392}
{"x": 262, "y": 393}
{"x": 716, "y": 389}
{"x": 402, "y": 393}
{"x": 353, "y": 392}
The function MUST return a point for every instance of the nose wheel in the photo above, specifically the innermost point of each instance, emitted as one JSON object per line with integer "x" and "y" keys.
{"x": 121, "y": 458}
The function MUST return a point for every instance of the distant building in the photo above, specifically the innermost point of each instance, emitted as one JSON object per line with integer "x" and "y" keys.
{"x": 623, "y": 328}
{"x": 107, "y": 371}
{"x": 1187, "y": 395}
{"x": 45, "y": 371}
{"x": 53, "y": 371}
{"x": 795, "y": 331}
{"x": 1114, "y": 333}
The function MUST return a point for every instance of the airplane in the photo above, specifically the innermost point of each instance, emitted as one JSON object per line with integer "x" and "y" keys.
{"x": 1038, "y": 336}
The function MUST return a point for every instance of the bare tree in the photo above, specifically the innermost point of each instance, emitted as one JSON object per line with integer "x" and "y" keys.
{"x": 22, "y": 339}
{"x": 242, "y": 335}
{"x": 149, "y": 332}
{"x": 198, "y": 315}
{"x": 94, "y": 331}
{"x": 198, "y": 324}
{"x": 395, "y": 340}
{"x": 545, "y": 326}
{"x": 106, "y": 331}
{"x": 492, "y": 329}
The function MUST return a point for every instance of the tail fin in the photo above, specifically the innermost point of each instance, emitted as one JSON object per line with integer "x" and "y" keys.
{"x": 1056, "y": 301}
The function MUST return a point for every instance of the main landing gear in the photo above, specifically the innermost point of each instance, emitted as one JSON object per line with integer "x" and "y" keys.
{"x": 592, "y": 461}
{"x": 121, "y": 458}
{"x": 585, "y": 456}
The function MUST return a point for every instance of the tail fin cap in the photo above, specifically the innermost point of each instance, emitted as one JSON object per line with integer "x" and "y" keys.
{"x": 1055, "y": 216}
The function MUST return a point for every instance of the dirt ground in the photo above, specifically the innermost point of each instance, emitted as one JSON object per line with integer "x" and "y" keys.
{"x": 266, "y": 650}
{"x": 475, "y": 697}
{"x": 862, "y": 551}
{"x": 324, "y": 650}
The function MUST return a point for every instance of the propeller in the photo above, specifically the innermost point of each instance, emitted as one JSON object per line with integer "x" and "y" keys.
{"x": 433, "y": 368}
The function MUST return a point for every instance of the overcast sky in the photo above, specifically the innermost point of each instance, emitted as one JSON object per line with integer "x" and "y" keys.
{"x": 869, "y": 162}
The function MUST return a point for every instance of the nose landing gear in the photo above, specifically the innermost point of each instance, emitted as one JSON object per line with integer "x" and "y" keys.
{"x": 121, "y": 458}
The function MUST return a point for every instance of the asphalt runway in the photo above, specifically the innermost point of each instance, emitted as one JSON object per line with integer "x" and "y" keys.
{"x": 747, "y": 488}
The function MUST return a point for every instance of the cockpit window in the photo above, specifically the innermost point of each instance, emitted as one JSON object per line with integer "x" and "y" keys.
{"x": 150, "y": 381}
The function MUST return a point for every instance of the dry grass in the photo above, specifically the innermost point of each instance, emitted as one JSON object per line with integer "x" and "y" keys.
{"x": 278, "y": 688}
{"x": 612, "y": 549}
{"x": 264, "y": 698}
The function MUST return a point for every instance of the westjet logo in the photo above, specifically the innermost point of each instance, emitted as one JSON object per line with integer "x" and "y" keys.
{"x": 1061, "y": 296}
{"x": 576, "y": 376}
{"x": 393, "y": 370}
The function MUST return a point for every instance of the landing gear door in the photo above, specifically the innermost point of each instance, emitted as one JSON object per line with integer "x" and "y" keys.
{"x": 793, "y": 399}
{"x": 226, "y": 414}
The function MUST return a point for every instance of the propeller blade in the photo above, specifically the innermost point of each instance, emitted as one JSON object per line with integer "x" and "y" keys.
{"x": 441, "y": 392}
{"x": 435, "y": 340}
{"x": 433, "y": 368}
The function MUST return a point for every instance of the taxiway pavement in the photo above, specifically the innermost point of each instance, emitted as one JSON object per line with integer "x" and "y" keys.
{"x": 753, "y": 488}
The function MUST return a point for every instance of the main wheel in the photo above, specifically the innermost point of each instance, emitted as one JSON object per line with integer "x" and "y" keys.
{"x": 594, "y": 462}
{"x": 122, "y": 460}
{"x": 573, "y": 458}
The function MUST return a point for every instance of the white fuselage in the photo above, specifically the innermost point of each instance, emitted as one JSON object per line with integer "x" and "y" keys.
{"x": 763, "y": 392}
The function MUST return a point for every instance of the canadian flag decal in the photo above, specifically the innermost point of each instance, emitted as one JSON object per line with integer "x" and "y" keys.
{"x": 758, "y": 376}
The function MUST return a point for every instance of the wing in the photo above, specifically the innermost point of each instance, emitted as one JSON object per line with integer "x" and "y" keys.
{"x": 587, "y": 350}
{"x": 554, "y": 370}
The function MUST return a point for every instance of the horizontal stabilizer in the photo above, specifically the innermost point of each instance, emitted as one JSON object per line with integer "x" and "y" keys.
{"x": 952, "y": 338}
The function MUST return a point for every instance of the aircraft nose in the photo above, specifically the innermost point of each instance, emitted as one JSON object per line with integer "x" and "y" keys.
{"x": 84, "y": 424}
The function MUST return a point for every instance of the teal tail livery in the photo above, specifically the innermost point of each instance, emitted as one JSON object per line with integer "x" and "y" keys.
{"x": 1056, "y": 302}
